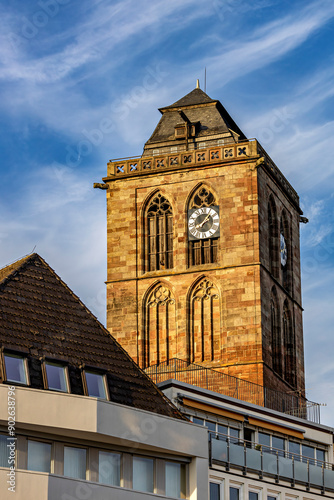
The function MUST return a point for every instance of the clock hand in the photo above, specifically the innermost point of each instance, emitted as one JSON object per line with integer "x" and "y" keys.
{"x": 203, "y": 222}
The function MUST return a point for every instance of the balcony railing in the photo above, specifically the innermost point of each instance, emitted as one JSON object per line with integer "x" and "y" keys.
{"x": 213, "y": 380}
{"x": 270, "y": 462}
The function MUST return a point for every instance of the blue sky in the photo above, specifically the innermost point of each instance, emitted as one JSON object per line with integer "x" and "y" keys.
{"x": 81, "y": 83}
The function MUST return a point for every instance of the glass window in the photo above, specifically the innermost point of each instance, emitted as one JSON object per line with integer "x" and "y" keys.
{"x": 3, "y": 451}
{"x": 308, "y": 453}
{"x": 271, "y": 498}
{"x": 15, "y": 369}
{"x": 211, "y": 426}
{"x": 110, "y": 468}
{"x": 214, "y": 491}
{"x": 234, "y": 435}
{"x": 198, "y": 421}
{"x": 294, "y": 449}
{"x": 56, "y": 376}
{"x": 143, "y": 474}
{"x": 252, "y": 495}
{"x": 175, "y": 480}
{"x": 320, "y": 456}
{"x": 279, "y": 444}
{"x": 234, "y": 493}
{"x": 75, "y": 462}
{"x": 264, "y": 439}
{"x": 222, "y": 429}
{"x": 39, "y": 456}
{"x": 95, "y": 385}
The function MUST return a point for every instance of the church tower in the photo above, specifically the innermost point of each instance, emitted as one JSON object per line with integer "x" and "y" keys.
{"x": 203, "y": 250}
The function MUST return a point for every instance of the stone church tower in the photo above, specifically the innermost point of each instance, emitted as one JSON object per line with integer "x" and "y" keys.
{"x": 203, "y": 250}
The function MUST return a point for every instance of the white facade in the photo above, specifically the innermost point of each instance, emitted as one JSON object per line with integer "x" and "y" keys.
{"x": 146, "y": 450}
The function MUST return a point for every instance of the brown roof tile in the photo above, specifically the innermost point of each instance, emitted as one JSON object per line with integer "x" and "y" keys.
{"x": 41, "y": 316}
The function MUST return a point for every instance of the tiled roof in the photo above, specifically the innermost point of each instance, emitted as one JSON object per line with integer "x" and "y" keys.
{"x": 211, "y": 118}
{"x": 196, "y": 96}
{"x": 42, "y": 317}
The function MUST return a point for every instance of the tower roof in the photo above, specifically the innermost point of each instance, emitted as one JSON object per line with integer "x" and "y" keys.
{"x": 203, "y": 119}
{"x": 196, "y": 96}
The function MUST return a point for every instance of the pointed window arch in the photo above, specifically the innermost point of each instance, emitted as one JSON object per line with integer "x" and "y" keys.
{"x": 159, "y": 234}
{"x": 203, "y": 322}
{"x": 285, "y": 251}
{"x": 204, "y": 251}
{"x": 273, "y": 237}
{"x": 159, "y": 339}
{"x": 276, "y": 338}
{"x": 289, "y": 346}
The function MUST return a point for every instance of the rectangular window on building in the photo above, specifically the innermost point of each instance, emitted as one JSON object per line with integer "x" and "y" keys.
{"x": 3, "y": 451}
{"x": 16, "y": 369}
{"x": 234, "y": 493}
{"x": 199, "y": 421}
{"x": 56, "y": 377}
{"x": 39, "y": 456}
{"x": 308, "y": 453}
{"x": 278, "y": 444}
{"x": 110, "y": 468}
{"x": 222, "y": 429}
{"x": 214, "y": 491}
{"x": 95, "y": 385}
{"x": 271, "y": 498}
{"x": 175, "y": 476}
{"x": 234, "y": 435}
{"x": 320, "y": 454}
{"x": 75, "y": 462}
{"x": 253, "y": 495}
{"x": 143, "y": 474}
{"x": 211, "y": 426}
{"x": 294, "y": 450}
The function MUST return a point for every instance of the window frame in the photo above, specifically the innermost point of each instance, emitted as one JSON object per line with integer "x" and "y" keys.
{"x": 88, "y": 369}
{"x": 52, "y": 457}
{"x": 48, "y": 361}
{"x": 88, "y": 465}
{"x": 19, "y": 355}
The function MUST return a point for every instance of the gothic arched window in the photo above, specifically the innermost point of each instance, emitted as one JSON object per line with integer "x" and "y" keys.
{"x": 159, "y": 234}
{"x": 276, "y": 340}
{"x": 285, "y": 252}
{"x": 159, "y": 339}
{"x": 204, "y": 322}
{"x": 273, "y": 237}
{"x": 203, "y": 251}
{"x": 289, "y": 346}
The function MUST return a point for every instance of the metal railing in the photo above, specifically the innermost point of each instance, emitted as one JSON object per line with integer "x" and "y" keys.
{"x": 271, "y": 462}
{"x": 213, "y": 380}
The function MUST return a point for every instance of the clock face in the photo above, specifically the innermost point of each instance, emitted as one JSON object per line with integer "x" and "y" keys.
{"x": 284, "y": 251}
{"x": 203, "y": 223}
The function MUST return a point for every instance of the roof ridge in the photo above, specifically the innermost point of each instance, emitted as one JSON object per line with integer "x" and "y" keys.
{"x": 7, "y": 271}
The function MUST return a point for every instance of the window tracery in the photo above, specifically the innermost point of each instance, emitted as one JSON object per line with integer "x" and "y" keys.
{"x": 204, "y": 322}
{"x": 159, "y": 234}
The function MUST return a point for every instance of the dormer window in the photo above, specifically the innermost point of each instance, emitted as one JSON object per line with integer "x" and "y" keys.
{"x": 185, "y": 129}
{"x": 56, "y": 376}
{"x": 96, "y": 384}
{"x": 16, "y": 369}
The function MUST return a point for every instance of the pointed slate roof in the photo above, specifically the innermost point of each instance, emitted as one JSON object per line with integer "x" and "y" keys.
{"x": 41, "y": 317}
{"x": 196, "y": 96}
{"x": 212, "y": 123}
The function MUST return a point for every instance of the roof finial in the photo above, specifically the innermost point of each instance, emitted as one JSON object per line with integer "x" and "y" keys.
{"x": 197, "y": 84}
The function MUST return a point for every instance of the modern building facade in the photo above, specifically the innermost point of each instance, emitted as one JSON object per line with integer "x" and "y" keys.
{"x": 256, "y": 453}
